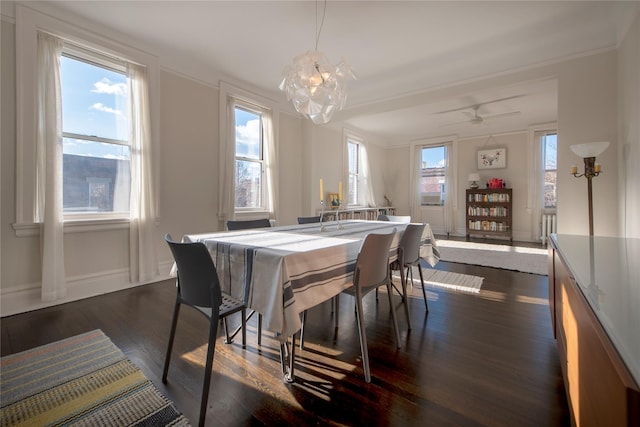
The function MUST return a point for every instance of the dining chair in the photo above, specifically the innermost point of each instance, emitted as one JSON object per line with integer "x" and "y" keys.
{"x": 198, "y": 286}
{"x": 408, "y": 257}
{"x": 308, "y": 219}
{"x": 372, "y": 271}
{"x": 233, "y": 225}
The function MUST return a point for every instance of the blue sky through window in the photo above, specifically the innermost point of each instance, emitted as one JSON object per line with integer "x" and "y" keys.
{"x": 433, "y": 157}
{"x": 247, "y": 134}
{"x": 94, "y": 103}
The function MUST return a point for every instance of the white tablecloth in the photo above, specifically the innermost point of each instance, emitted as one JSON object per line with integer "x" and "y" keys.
{"x": 290, "y": 269}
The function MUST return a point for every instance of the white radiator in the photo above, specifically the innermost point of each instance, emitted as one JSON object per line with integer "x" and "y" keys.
{"x": 548, "y": 226}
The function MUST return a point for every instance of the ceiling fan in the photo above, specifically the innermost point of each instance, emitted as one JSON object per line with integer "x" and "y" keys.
{"x": 474, "y": 117}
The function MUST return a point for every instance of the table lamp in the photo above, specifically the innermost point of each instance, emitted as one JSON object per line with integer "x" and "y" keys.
{"x": 474, "y": 178}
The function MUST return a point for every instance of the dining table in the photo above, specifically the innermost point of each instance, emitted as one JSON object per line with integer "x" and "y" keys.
{"x": 282, "y": 271}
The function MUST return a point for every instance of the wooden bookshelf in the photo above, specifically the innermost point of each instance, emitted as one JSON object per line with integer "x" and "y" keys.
{"x": 489, "y": 212}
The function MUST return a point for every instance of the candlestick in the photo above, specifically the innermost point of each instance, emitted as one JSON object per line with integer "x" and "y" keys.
{"x": 340, "y": 192}
{"x": 321, "y": 190}
{"x": 597, "y": 168}
{"x": 574, "y": 169}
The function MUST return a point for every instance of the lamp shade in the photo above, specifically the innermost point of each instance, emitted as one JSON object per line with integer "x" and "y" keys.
{"x": 590, "y": 149}
{"x": 474, "y": 177}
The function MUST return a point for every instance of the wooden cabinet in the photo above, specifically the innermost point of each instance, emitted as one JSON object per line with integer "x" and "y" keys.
{"x": 489, "y": 212}
{"x": 600, "y": 389}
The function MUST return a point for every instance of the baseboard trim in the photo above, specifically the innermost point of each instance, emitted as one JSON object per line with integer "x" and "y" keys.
{"x": 24, "y": 298}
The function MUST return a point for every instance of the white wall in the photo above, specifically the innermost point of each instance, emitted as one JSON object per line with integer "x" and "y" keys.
{"x": 629, "y": 131}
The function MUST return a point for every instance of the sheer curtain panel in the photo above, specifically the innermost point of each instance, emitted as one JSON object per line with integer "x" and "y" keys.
{"x": 143, "y": 259}
{"x": 49, "y": 167}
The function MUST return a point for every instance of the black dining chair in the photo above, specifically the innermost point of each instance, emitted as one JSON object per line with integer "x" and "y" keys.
{"x": 233, "y": 225}
{"x": 198, "y": 286}
{"x": 308, "y": 219}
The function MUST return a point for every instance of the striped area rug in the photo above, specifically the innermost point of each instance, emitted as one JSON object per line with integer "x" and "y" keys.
{"x": 84, "y": 380}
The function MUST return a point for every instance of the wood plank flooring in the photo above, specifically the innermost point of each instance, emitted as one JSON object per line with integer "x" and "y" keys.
{"x": 486, "y": 359}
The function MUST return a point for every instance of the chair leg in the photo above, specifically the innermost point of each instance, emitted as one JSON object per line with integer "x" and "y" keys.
{"x": 337, "y": 311}
{"x": 172, "y": 334}
{"x": 393, "y": 316}
{"x": 244, "y": 328}
{"x": 259, "y": 329}
{"x": 213, "y": 332}
{"x": 304, "y": 319}
{"x": 424, "y": 292}
{"x": 363, "y": 336}
{"x": 405, "y": 297}
{"x": 229, "y": 338}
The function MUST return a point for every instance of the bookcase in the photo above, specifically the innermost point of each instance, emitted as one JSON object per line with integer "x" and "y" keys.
{"x": 489, "y": 212}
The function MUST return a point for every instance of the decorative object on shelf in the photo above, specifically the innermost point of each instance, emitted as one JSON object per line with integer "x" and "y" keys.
{"x": 589, "y": 151}
{"x": 387, "y": 201}
{"x": 316, "y": 87}
{"x": 494, "y": 158}
{"x": 334, "y": 200}
{"x": 495, "y": 183}
{"x": 474, "y": 178}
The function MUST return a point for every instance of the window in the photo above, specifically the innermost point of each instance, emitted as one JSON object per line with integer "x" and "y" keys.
{"x": 249, "y": 155}
{"x": 432, "y": 175}
{"x": 550, "y": 156}
{"x": 95, "y": 130}
{"x": 353, "y": 148}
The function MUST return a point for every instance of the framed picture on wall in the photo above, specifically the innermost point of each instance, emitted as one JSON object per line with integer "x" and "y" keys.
{"x": 493, "y": 158}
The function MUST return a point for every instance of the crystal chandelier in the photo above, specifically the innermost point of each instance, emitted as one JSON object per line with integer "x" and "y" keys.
{"x": 315, "y": 86}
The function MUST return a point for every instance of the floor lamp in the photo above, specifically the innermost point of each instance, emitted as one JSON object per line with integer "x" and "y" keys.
{"x": 589, "y": 151}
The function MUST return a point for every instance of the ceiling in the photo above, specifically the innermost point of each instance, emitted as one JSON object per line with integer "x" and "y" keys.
{"x": 411, "y": 57}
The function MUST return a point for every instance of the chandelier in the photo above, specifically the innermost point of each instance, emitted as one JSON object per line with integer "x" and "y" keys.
{"x": 315, "y": 86}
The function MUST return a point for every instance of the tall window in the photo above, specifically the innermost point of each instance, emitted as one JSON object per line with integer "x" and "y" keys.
{"x": 353, "y": 152}
{"x": 250, "y": 161}
{"x": 95, "y": 130}
{"x": 433, "y": 175}
{"x": 550, "y": 164}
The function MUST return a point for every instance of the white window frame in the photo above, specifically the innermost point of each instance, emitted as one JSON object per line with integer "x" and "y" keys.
{"x": 28, "y": 22}
{"x": 548, "y": 210}
{"x": 262, "y": 161}
{"x": 350, "y": 139}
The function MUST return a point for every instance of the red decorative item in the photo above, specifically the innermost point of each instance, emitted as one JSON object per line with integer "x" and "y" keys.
{"x": 495, "y": 183}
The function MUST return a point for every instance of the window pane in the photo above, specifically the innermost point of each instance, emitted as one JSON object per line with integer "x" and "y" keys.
{"x": 432, "y": 175}
{"x": 94, "y": 100}
{"x": 248, "y": 134}
{"x": 550, "y": 152}
{"x": 96, "y": 177}
{"x": 550, "y": 200}
{"x": 353, "y": 157}
{"x": 248, "y": 184}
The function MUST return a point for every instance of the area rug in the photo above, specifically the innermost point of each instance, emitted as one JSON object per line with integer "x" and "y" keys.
{"x": 526, "y": 260}
{"x": 83, "y": 380}
{"x": 446, "y": 280}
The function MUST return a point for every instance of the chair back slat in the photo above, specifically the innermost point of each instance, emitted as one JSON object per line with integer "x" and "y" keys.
{"x": 245, "y": 225}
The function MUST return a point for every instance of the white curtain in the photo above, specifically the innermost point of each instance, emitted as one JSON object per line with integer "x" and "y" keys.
{"x": 415, "y": 202}
{"x": 49, "y": 167}
{"x": 370, "y": 199}
{"x": 226, "y": 209}
{"x": 226, "y": 191}
{"x": 271, "y": 164}
{"x": 536, "y": 184}
{"x": 450, "y": 190}
{"x": 143, "y": 257}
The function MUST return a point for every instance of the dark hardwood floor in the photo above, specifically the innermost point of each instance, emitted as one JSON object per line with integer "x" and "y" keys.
{"x": 486, "y": 359}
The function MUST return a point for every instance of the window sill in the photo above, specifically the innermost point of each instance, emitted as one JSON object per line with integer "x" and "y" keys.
{"x": 75, "y": 226}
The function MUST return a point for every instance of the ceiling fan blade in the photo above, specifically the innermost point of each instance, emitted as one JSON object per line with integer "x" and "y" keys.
{"x": 479, "y": 104}
{"x": 500, "y": 116}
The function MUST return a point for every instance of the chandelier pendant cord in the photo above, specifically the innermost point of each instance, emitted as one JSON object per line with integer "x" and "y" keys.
{"x": 318, "y": 31}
